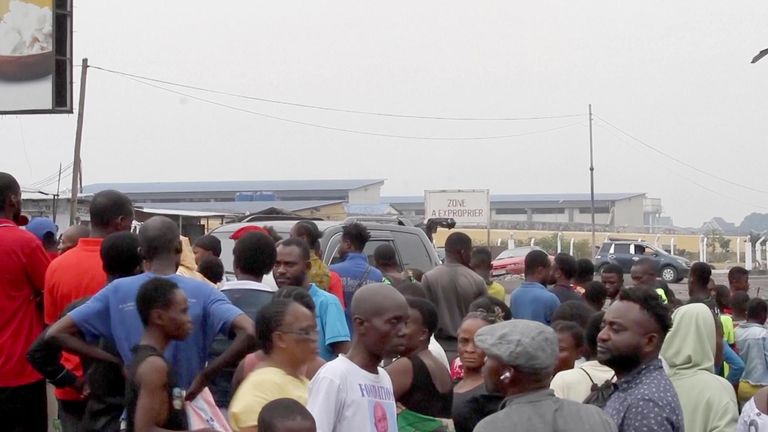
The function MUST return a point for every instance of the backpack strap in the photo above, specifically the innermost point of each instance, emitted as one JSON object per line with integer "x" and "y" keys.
{"x": 588, "y": 375}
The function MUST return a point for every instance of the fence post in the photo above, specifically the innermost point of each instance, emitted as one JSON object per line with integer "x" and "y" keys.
{"x": 559, "y": 242}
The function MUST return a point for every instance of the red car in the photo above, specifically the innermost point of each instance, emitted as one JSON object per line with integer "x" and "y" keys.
{"x": 512, "y": 261}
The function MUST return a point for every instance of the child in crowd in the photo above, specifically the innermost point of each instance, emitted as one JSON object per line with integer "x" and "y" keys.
{"x": 286, "y": 415}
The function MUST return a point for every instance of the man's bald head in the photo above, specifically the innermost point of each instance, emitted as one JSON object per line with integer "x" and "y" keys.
{"x": 379, "y": 314}
{"x": 159, "y": 236}
{"x": 375, "y": 300}
{"x": 71, "y": 236}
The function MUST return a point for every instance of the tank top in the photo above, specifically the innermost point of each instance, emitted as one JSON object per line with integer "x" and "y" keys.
{"x": 177, "y": 417}
{"x": 423, "y": 397}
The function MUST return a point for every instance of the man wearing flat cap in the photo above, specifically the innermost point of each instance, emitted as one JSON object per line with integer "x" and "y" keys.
{"x": 521, "y": 357}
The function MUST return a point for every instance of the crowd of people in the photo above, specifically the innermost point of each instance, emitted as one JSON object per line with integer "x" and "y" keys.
{"x": 140, "y": 331}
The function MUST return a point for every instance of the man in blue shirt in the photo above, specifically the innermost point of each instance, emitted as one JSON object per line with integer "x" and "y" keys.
{"x": 532, "y": 300}
{"x": 292, "y": 269}
{"x": 354, "y": 270}
{"x": 112, "y": 314}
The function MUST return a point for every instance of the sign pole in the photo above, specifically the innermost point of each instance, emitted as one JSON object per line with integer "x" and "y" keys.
{"x": 591, "y": 181}
{"x": 76, "y": 171}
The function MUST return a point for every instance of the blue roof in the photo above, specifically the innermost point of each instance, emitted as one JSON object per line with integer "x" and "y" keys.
{"x": 237, "y": 207}
{"x": 549, "y": 198}
{"x": 233, "y": 186}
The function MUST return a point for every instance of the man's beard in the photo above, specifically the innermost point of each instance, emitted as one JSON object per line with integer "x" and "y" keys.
{"x": 623, "y": 362}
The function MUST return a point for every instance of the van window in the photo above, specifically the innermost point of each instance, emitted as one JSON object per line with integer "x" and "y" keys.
{"x": 412, "y": 251}
{"x": 368, "y": 250}
{"x": 621, "y": 248}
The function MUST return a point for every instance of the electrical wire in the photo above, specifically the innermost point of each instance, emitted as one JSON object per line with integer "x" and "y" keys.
{"x": 694, "y": 182}
{"x": 54, "y": 176}
{"x": 326, "y": 108}
{"x": 681, "y": 162}
{"x": 353, "y": 131}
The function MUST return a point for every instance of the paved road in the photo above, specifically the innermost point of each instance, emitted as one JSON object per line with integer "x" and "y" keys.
{"x": 758, "y": 285}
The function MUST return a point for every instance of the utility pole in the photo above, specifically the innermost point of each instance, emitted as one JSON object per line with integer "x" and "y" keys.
{"x": 76, "y": 171}
{"x": 56, "y": 197}
{"x": 592, "y": 180}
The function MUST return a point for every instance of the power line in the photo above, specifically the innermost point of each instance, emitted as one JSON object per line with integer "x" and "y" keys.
{"x": 326, "y": 108}
{"x": 681, "y": 162}
{"x": 706, "y": 188}
{"x": 354, "y": 131}
{"x": 52, "y": 176}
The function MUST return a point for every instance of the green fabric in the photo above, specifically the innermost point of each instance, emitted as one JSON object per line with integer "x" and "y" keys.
{"x": 662, "y": 294}
{"x": 708, "y": 401}
{"x": 409, "y": 421}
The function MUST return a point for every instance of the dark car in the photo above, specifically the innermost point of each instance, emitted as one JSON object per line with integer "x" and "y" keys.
{"x": 625, "y": 253}
{"x": 414, "y": 250}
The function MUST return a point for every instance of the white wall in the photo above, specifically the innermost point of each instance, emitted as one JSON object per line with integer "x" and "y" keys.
{"x": 367, "y": 195}
{"x": 629, "y": 212}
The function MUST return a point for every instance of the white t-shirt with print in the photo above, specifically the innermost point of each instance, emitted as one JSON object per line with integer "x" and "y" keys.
{"x": 345, "y": 398}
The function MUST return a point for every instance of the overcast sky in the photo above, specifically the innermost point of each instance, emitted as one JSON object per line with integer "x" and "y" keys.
{"x": 674, "y": 74}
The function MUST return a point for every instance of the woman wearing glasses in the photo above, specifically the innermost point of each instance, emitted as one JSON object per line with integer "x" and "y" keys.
{"x": 287, "y": 335}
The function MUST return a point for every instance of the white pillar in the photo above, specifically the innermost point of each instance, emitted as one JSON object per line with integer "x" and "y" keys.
{"x": 748, "y": 255}
{"x": 533, "y": 241}
{"x": 701, "y": 251}
{"x": 704, "y": 248}
{"x": 672, "y": 246}
{"x": 656, "y": 240}
{"x": 511, "y": 241}
{"x": 559, "y": 242}
{"x": 572, "y": 240}
{"x": 738, "y": 250}
{"x": 758, "y": 252}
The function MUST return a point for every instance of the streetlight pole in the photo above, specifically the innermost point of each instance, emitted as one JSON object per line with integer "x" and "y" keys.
{"x": 592, "y": 179}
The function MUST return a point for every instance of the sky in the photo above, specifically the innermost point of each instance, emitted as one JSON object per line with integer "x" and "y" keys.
{"x": 674, "y": 75}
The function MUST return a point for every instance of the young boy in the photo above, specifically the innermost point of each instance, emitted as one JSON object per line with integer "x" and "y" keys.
{"x": 481, "y": 264}
{"x": 286, "y": 415}
{"x": 152, "y": 398}
{"x": 739, "y": 300}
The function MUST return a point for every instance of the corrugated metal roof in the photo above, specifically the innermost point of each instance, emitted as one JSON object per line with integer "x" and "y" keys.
{"x": 234, "y": 186}
{"x": 237, "y": 207}
{"x": 501, "y": 198}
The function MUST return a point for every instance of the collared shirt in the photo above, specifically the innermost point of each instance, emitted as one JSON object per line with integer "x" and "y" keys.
{"x": 533, "y": 301}
{"x": 23, "y": 262}
{"x": 541, "y": 410}
{"x": 645, "y": 400}
{"x": 331, "y": 324}
{"x": 355, "y": 272}
{"x": 77, "y": 274}
{"x": 752, "y": 344}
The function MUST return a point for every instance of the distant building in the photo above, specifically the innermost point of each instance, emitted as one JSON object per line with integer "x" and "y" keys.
{"x": 349, "y": 191}
{"x": 557, "y": 211}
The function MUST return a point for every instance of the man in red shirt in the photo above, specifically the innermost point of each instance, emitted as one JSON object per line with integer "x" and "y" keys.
{"x": 23, "y": 262}
{"x": 77, "y": 274}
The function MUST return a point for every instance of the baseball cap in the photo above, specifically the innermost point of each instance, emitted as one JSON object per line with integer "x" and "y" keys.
{"x": 528, "y": 345}
{"x": 246, "y": 229}
{"x": 41, "y": 225}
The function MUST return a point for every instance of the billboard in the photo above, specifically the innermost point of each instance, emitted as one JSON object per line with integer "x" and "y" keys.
{"x": 467, "y": 207}
{"x": 35, "y": 56}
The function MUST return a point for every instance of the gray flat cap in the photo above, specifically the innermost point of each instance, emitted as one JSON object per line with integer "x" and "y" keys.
{"x": 529, "y": 345}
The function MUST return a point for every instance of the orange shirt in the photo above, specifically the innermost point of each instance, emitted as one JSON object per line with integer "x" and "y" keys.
{"x": 70, "y": 277}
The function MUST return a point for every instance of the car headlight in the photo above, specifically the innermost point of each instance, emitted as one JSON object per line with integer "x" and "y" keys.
{"x": 684, "y": 262}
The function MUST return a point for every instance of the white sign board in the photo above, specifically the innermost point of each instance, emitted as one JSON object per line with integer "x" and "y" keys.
{"x": 466, "y": 207}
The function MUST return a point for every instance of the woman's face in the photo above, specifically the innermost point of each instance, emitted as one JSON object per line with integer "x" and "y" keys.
{"x": 471, "y": 356}
{"x": 415, "y": 333}
{"x": 299, "y": 334}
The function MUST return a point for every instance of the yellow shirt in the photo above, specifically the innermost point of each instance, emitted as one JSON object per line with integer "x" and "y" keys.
{"x": 261, "y": 387}
{"x": 495, "y": 289}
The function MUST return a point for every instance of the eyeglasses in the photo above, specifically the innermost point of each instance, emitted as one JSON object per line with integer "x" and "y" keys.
{"x": 309, "y": 334}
